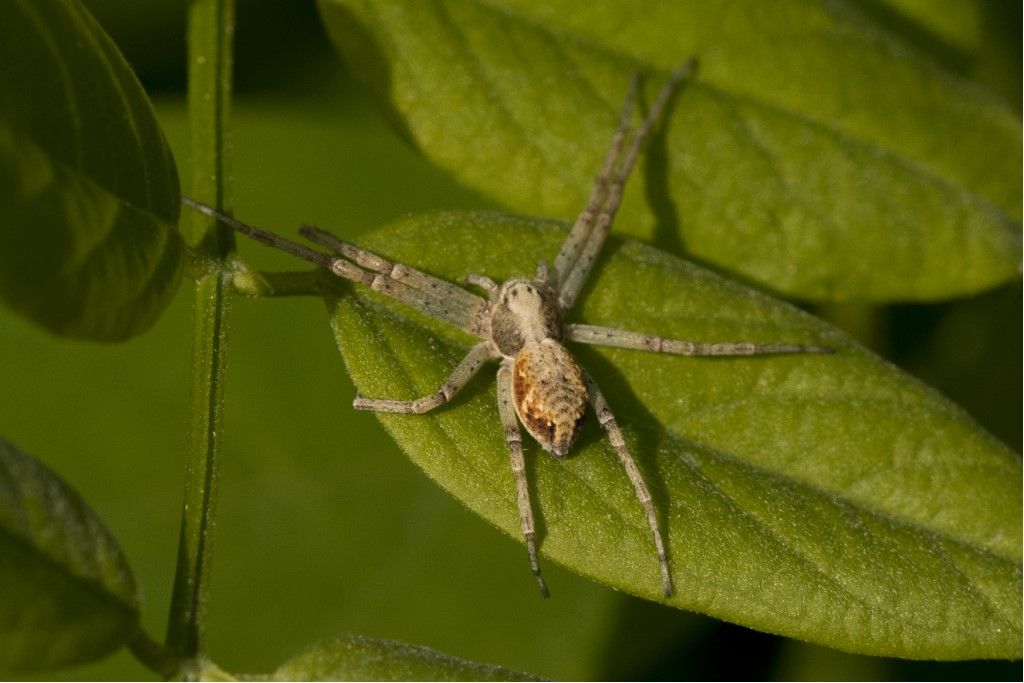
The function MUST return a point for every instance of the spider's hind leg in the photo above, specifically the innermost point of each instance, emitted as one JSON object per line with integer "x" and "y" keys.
{"x": 643, "y": 494}
{"x": 514, "y": 441}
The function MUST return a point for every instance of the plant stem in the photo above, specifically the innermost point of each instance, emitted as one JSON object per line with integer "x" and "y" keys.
{"x": 154, "y": 655}
{"x": 255, "y": 283}
{"x": 210, "y": 33}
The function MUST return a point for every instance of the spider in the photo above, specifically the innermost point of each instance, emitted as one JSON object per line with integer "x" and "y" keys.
{"x": 521, "y": 323}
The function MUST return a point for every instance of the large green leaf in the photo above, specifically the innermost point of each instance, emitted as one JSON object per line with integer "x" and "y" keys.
{"x": 353, "y": 658}
{"x": 89, "y": 194}
{"x": 813, "y": 153}
{"x": 67, "y": 594}
{"x": 828, "y": 498}
{"x": 979, "y": 40}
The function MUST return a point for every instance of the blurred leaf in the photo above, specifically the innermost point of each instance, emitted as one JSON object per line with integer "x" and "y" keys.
{"x": 979, "y": 39}
{"x": 353, "y": 658}
{"x": 828, "y": 498}
{"x": 812, "y": 154}
{"x": 88, "y": 188}
{"x": 68, "y": 595}
{"x": 971, "y": 352}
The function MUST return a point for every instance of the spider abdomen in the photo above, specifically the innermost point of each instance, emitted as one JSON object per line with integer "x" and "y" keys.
{"x": 550, "y": 395}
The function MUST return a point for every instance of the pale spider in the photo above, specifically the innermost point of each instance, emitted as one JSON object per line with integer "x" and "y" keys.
{"x": 521, "y": 323}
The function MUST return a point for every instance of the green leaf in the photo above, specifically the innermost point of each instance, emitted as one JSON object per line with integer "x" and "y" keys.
{"x": 827, "y": 498}
{"x": 89, "y": 193}
{"x": 68, "y": 595}
{"x": 354, "y": 658}
{"x": 978, "y": 40}
{"x": 813, "y": 153}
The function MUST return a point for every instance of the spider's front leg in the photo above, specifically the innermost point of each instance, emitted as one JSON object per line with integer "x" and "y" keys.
{"x": 459, "y": 377}
{"x": 579, "y": 253}
{"x": 436, "y": 297}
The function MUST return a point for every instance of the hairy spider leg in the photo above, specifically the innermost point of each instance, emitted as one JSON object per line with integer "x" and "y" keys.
{"x": 514, "y": 441}
{"x": 467, "y": 319}
{"x": 447, "y": 299}
{"x": 572, "y": 283}
{"x": 459, "y": 377}
{"x": 260, "y": 235}
{"x": 485, "y": 283}
{"x": 436, "y": 298}
{"x": 625, "y": 339}
{"x": 643, "y": 494}
{"x": 581, "y": 229}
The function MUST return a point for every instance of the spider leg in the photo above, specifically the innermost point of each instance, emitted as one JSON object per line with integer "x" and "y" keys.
{"x": 260, "y": 235}
{"x": 486, "y": 283}
{"x": 438, "y": 298}
{"x": 541, "y": 278}
{"x": 466, "y": 311}
{"x": 581, "y": 229}
{"x": 514, "y": 441}
{"x": 573, "y": 280}
{"x": 624, "y": 339}
{"x": 458, "y": 378}
{"x": 607, "y": 421}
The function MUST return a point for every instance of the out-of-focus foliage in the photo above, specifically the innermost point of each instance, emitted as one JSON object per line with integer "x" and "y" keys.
{"x": 364, "y": 659}
{"x": 68, "y": 594}
{"x": 89, "y": 196}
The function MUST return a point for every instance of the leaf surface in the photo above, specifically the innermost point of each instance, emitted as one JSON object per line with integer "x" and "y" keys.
{"x": 89, "y": 196}
{"x": 354, "y": 658}
{"x": 827, "y": 498}
{"x": 68, "y": 595}
{"x": 814, "y": 153}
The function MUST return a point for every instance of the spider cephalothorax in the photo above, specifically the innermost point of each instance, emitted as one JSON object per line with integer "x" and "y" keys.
{"x": 523, "y": 312}
{"x": 539, "y": 383}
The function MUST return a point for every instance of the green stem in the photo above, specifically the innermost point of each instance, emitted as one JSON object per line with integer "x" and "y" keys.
{"x": 154, "y": 655}
{"x": 210, "y": 31}
{"x": 255, "y": 283}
